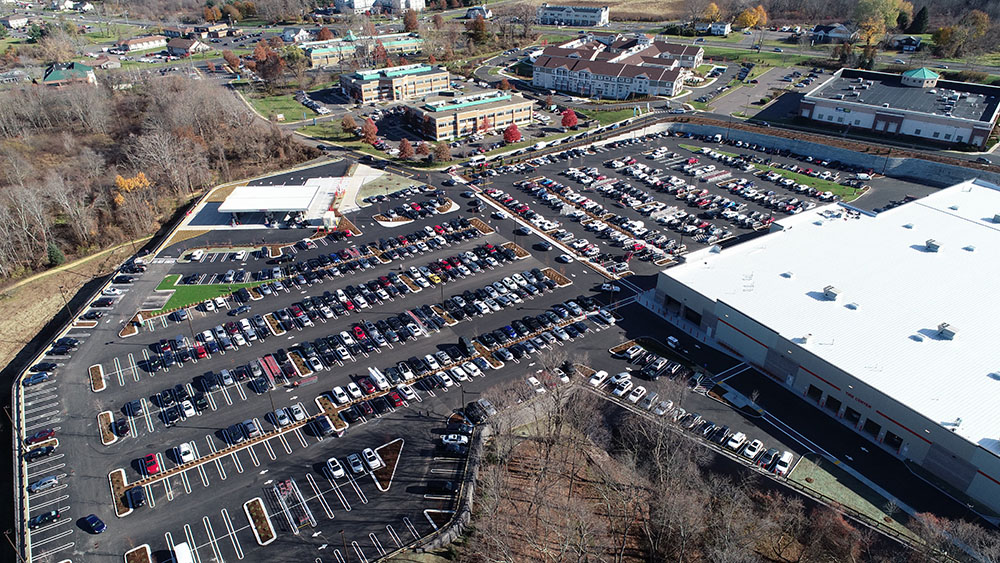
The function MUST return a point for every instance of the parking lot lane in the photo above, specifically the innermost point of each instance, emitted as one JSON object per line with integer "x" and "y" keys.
{"x": 318, "y": 495}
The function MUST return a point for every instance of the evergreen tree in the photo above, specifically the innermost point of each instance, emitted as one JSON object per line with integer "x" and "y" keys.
{"x": 55, "y": 255}
{"x": 920, "y": 22}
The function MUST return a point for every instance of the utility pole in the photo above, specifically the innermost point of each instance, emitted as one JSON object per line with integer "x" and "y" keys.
{"x": 347, "y": 556}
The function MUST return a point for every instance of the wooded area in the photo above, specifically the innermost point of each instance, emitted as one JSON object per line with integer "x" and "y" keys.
{"x": 86, "y": 167}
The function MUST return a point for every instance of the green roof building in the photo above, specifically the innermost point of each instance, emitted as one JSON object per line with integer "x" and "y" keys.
{"x": 59, "y": 75}
{"x": 920, "y": 78}
{"x": 332, "y": 51}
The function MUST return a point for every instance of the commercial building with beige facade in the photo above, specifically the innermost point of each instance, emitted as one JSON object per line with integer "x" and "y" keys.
{"x": 394, "y": 83}
{"x": 451, "y": 115}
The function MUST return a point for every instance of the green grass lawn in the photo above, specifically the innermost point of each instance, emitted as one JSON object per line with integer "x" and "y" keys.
{"x": 187, "y": 295}
{"x": 604, "y": 117}
{"x": 835, "y": 483}
{"x": 105, "y": 34}
{"x": 285, "y": 104}
{"x": 765, "y": 56}
{"x": 704, "y": 69}
{"x": 845, "y": 193}
{"x": 330, "y": 131}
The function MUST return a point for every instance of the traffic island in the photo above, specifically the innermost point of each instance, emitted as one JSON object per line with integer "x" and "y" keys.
{"x": 494, "y": 363}
{"x": 519, "y": 252}
{"x": 260, "y": 522}
{"x": 390, "y": 454}
{"x": 131, "y": 328}
{"x": 391, "y": 222}
{"x": 448, "y": 319}
{"x": 118, "y": 487}
{"x": 105, "y": 419}
{"x": 139, "y": 554}
{"x": 300, "y": 364}
{"x": 558, "y": 277}
{"x": 615, "y": 350}
{"x": 97, "y": 383}
{"x": 447, "y": 207}
{"x": 481, "y": 226}
{"x": 255, "y": 294}
{"x": 274, "y": 325}
{"x": 409, "y": 283}
{"x": 84, "y": 324}
{"x": 345, "y": 225}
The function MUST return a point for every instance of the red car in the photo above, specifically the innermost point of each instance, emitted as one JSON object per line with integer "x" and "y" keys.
{"x": 150, "y": 465}
{"x": 349, "y": 305}
{"x": 296, "y": 310}
{"x": 40, "y": 436}
{"x": 200, "y": 352}
{"x": 359, "y": 333}
{"x": 439, "y": 229}
{"x": 367, "y": 385}
{"x": 415, "y": 206}
{"x": 397, "y": 401}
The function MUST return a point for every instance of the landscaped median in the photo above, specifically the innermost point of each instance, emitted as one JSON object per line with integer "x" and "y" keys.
{"x": 187, "y": 295}
{"x": 104, "y": 420}
{"x": 561, "y": 280}
{"x": 97, "y": 383}
{"x": 481, "y": 225}
{"x": 139, "y": 554}
{"x": 260, "y": 522}
{"x": 519, "y": 252}
{"x": 390, "y": 454}
{"x": 119, "y": 484}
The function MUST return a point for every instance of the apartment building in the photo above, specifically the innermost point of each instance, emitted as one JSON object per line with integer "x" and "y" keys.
{"x": 332, "y": 51}
{"x": 583, "y": 16}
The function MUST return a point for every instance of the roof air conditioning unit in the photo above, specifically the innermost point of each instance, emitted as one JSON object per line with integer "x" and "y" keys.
{"x": 831, "y": 292}
{"x": 932, "y": 245}
{"x": 947, "y": 331}
{"x": 996, "y": 218}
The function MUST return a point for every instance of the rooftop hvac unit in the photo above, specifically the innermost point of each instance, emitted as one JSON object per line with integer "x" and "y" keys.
{"x": 947, "y": 331}
{"x": 932, "y": 245}
{"x": 831, "y": 292}
{"x": 996, "y": 218}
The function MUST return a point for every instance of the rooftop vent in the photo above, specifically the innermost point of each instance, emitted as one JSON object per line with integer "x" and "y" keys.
{"x": 969, "y": 248}
{"x": 953, "y": 207}
{"x": 908, "y": 226}
{"x": 996, "y": 218}
{"x": 788, "y": 275}
{"x": 852, "y": 306}
{"x": 947, "y": 331}
{"x": 932, "y": 245}
{"x": 831, "y": 292}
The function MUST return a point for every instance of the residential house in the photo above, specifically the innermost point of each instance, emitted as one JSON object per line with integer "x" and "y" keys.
{"x": 295, "y": 35}
{"x": 702, "y": 27}
{"x": 721, "y": 28}
{"x": 62, "y": 5}
{"x": 142, "y": 43}
{"x": 60, "y": 75}
{"x": 906, "y": 43}
{"x": 178, "y": 31}
{"x": 83, "y": 7}
{"x": 106, "y": 62}
{"x": 353, "y": 6}
{"x": 834, "y": 33}
{"x": 180, "y": 47}
{"x": 14, "y": 22}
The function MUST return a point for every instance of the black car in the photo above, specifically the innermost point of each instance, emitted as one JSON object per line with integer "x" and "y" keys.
{"x": 442, "y": 487}
{"x": 43, "y": 366}
{"x": 475, "y": 414}
{"x": 200, "y": 401}
{"x": 39, "y": 453}
{"x": 166, "y": 397}
{"x": 180, "y": 392}
{"x": 120, "y": 427}
{"x": 135, "y": 497}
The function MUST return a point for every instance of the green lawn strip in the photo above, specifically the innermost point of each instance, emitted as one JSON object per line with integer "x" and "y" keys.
{"x": 187, "y": 295}
{"x": 833, "y": 482}
{"x": 846, "y": 193}
{"x": 765, "y": 57}
{"x": 604, "y": 117}
{"x": 330, "y": 131}
{"x": 285, "y": 104}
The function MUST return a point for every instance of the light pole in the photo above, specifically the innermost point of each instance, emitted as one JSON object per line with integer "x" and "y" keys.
{"x": 65, "y": 302}
{"x": 347, "y": 556}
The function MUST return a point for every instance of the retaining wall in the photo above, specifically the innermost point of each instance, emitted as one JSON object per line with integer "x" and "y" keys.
{"x": 923, "y": 171}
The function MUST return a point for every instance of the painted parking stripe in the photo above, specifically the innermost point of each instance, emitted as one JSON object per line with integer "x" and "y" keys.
{"x": 236, "y": 460}
{"x": 118, "y": 372}
{"x": 35, "y": 505}
{"x": 45, "y": 554}
{"x": 284, "y": 443}
{"x": 145, "y": 413}
{"x": 300, "y": 436}
{"x": 60, "y": 535}
{"x": 357, "y": 489}
{"x": 410, "y": 528}
{"x": 358, "y": 552}
{"x": 211, "y": 539}
{"x": 269, "y": 449}
{"x": 149, "y": 495}
{"x": 231, "y": 532}
{"x": 185, "y": 482}
{"x": 377, "y": 544}
{"x": 133, "y": 367}
{"x": 218, "y": 461}
{"x": 253, "y": 456}
{"x": 394, "y": 536}
{"x": 319, "y": 496}
{"x": 189, "y": 536}
{"x": 340, "y": 494}
{"x": 36, "y": 468}
{"x": 201, "y": 466}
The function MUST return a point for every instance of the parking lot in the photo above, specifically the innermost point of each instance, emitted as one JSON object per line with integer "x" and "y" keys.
{"x": 216, "y": 403}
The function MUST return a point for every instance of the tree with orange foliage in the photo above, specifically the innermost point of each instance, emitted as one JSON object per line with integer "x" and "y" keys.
{"x": 410, "y": 21}
{"x": 423, "y": 149}
{"x": 324, "y": 34}
{"x": 369, "y": 131}
{"x": 504, "y": 84}
{"x": 405, "y": 149}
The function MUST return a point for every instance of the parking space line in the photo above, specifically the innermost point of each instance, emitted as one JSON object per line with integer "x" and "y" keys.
{"x": 410, "y": 528}
{"x": 218, "y": 461}
{"x": 47, "y": 406}
{"x": 239, "y": 389}
{"x": 189, "y": 536}
{"x": 284, "y": 442}
{"x": 48, "y": 502}
{"x": 269, "y": 449}
{"x": 377, "y": 544}
{"x": 149, "y": 495}
{"x": 40, "y": 416}
{"x": 340, "y": 494}
{"x": 232, "y": 534}
{"x": 211, "y": 539}
{"x": 236, "y": 460}
{"x": 133, "y": 367}
{"x": 319, "y": 496}
{"x": 118, "y": 372}
{"x": 357, "y": 550}
{"x": 45, "y": 554}
{"x": 60, "y": 535}
{"x": 357, "y": 489}
{"x": 253, "y": 456}
{"x": 145, "y": 413}
{"x": 36, "y": 470}
{"x": 300, "y": 436}
{"x": 393, "y": 535}
{"x": 225, "y": 393}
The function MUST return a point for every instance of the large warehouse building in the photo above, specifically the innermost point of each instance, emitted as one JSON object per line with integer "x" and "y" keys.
{"x": 917, "y": 103}
{"x": 886, "y": 323}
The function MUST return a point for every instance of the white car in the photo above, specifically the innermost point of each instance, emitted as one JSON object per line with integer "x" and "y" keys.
{"x": 753, "y": 450}
{"x": 619, "y": 377}
{"x": 333, "y": 468}
{"x": 736, "y": 441}
{"x": 598, "y": 378}
{"x": 663, "y": 408}
{"x": 357, "y": 466}
{"x": 354, "y": 390}
{"x": 459, "y": 373}
{"x": 372, "y": 459}
{"x": 220, "y": 302}
{"x": 432, "y": 362}
{"x": 112, "y": 291}
{"x": 281, "y": 417}
{"x": 445, "y": 380}
{"x": 209, "y": 306}
{"x": 535, "y": 384}
{"x": 456, "y": 439}
{"x": 471, "y": 369}
{"x": 340, "y": 395}
{"x": 623, "y": 387}
{"x": 408, "y": 393}
{"x": 636, "y": 394}
{"x": 784, "y": 463}
{"x": 185, "y": 453}
{"x": 296, "y": 412}
{"x": 188, "y": 409}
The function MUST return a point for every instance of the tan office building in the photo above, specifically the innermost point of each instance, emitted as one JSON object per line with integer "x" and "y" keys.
{"x": 394, "y": 83}
{"x": 450, "y": 115}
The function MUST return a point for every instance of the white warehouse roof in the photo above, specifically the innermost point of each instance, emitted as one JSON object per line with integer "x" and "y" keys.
{"x": 892, "y": 294}
{"x": 250, "y": 199}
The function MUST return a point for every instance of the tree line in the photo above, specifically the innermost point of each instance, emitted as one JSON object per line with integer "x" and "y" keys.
{"x": 86, "y": 167}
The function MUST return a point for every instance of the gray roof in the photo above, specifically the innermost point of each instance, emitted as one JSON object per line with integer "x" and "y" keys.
{"x": 979, "y": 102}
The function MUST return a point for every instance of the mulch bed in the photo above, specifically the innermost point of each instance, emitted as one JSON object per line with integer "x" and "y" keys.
{"x": 300, "y": 363}
{"x": 273, "y": 323}
{"x": 97, "y": 378}
{"x": 104, "y": 420}
{"x": 409, "y": 283}
{"x": 481, "y": 225}
{"x": 519, "y": 252}
{"x": 384, "y": 219}
{"x": 138, "y": 555}
{"x": 623, "y": 346}
{"x": 444, "y": 314}
{"x": 131, "y": 328}
{"x": 345, "y": 224}
{"x": 118, "y": 488}
{"x": 390, "y": 455}
{"x": 84, "y": 324}
{"x": 258, "y": 519}
{"x": 486, "y": 355}
{"x": 561, "y": 280}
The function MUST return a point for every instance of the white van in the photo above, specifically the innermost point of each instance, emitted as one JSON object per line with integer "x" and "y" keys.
{"x": 182, "y": 553}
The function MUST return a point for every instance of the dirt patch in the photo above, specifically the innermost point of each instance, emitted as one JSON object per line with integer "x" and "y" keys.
{"x": 584, "y": 371}
{"x": 519, "y": 252}
{"x": 622, "y": 347}
{"x": 138, "y": 555}
{"x": 181, "y": 236}
{"x": 259, "y": 520}
{"x": 383, "y": 219}
{"x": 440, "y": 518}
{"x": 409, "y": 283}
{"x": 220, "y": 194}
{"x": 27, "y": 307}
{"x": 300, "y": 363}
{"x": 255, "y": 294}
{"x": 97, "y": 383}
{"x": 131, "y": 328}
{"x": 345, "y": 224}
{"x": 390, "y": 455}
{"x": 444, "y": 314}
{"x": 481, "y": 225}
{"x": 84, "y": 324}
{"x": 331, "y": 411}
{"x": 273, "y": 323}
{"x": 558, "y": 277}
{"x": 486, "y": 355}
{"x": 118, "y": 487}
{"x": 104, "y": 420}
